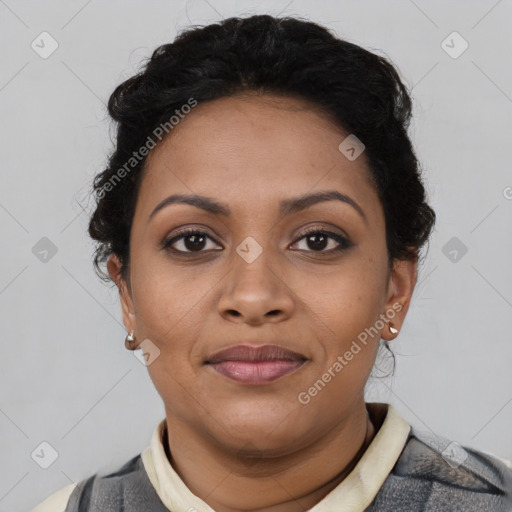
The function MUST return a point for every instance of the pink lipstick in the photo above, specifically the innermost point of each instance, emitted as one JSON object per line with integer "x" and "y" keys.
{"x": 255, "y": 365}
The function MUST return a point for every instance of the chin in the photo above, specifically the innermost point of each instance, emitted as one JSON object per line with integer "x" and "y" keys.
{"x": 270, "y": 430}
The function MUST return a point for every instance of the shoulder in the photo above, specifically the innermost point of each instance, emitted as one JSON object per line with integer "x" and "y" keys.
{"x": 93, "y": 493}
{"x": 127, "y": 489}
{"x": 441, "y": 474}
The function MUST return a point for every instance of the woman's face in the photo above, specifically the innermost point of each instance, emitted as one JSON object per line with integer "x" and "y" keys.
{"x": 254, "y": 278}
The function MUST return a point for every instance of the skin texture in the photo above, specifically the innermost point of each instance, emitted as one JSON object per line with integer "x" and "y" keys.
{"x": 257, "y": 448}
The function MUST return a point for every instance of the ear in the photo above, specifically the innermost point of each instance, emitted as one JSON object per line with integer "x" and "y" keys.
{"x": 114, "y": 269}
{"x": 401, "y": 283}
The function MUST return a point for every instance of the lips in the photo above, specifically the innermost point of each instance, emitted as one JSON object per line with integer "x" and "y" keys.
{"x": 255, "y": 365}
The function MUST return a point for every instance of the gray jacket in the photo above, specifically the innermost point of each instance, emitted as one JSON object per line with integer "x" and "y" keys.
{"x": 431, "y": 475}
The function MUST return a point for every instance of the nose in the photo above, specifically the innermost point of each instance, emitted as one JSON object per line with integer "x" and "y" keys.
{"x": 254, "y": 293}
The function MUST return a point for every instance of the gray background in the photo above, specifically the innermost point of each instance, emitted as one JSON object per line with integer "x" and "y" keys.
{"x": 66, "y": 376}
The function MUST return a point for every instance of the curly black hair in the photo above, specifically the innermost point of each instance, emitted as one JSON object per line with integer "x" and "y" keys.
{"x": 360, "y": 90}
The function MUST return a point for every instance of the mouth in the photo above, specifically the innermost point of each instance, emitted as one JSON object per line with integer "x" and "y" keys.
{"x": 255, "y": 365}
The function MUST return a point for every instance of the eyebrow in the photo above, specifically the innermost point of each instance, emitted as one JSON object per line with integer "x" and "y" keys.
{"x": 287, "y": 206}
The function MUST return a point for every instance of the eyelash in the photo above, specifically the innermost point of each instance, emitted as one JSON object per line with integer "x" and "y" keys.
{"x": 344, "y": 243}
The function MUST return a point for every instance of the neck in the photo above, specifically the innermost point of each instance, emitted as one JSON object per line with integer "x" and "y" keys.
{"x": 299, "y": 480}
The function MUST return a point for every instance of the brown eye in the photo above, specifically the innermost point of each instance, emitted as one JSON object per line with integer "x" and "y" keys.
{"x": 190, "y": 240}
{"x": 318, "y": 240}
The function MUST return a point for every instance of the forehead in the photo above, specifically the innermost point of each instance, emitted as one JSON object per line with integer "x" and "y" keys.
{"x": 252, "y": 147}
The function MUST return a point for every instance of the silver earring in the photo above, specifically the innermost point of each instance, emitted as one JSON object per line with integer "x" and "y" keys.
{"x": 392, "y": 329}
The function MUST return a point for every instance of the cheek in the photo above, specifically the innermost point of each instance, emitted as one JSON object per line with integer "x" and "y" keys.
{"x": 171, "y": 307}
{"x": 170, "y": 300}
{"x": 179, "y": 389}
{"x": 343, "y": 307}
{"x": 347, "y": 297}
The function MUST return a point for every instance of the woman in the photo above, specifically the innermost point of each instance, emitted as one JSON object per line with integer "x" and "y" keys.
{"x": 262, "y": 216}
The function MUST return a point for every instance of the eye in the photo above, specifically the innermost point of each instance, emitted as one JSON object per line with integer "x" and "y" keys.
{"x": 319, "y": 239}
{"x": 191, "y": 240}
{"x": 196, "y": 241}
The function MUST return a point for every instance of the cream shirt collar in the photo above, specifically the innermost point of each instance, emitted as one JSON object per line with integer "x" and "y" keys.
{"x": 353, "y": 494}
